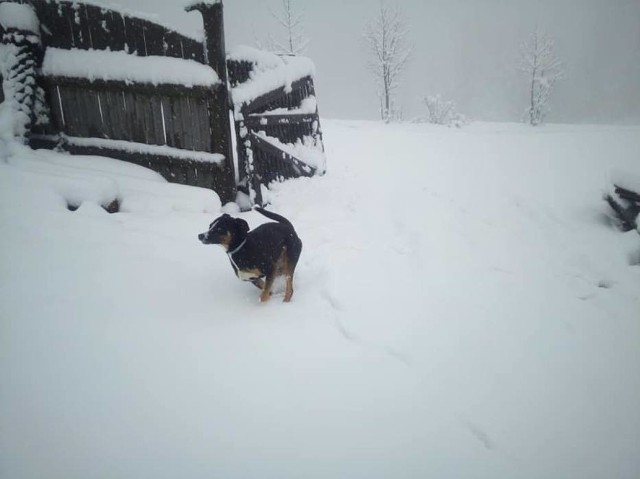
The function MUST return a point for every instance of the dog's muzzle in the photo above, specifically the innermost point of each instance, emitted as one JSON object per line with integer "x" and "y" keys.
{"x": 203, "y": 237}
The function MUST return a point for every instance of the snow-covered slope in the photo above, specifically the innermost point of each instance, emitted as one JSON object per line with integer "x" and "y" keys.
{"x": 463, "y": 309}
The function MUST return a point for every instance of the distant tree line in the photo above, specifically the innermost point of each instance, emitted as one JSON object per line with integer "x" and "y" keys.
{"x": 386, "y": 41}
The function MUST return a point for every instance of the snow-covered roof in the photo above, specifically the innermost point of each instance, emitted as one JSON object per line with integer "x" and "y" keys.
{"x": 121, "y": 66}
{"x": 269, "y": 73}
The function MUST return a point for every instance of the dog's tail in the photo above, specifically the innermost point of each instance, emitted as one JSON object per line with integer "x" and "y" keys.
{"x": 273, "y": 216}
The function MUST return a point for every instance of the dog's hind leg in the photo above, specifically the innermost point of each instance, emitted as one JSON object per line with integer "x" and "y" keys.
{"x": 292, "y": 254}
{"x": 268, "y": 284}
{"x": 287, "y": 272}
{"x": 288, "y": 292}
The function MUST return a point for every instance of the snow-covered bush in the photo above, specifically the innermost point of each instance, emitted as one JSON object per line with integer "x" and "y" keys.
{"x": 442, "y": 112}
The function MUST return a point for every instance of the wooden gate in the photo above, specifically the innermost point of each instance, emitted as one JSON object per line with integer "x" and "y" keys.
{"x": 277, "y": 121}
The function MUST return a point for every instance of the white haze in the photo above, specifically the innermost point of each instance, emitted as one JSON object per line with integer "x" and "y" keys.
{"x": 464, "y": 50}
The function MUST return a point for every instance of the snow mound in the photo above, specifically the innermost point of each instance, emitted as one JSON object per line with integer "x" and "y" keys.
{"x": 74, "y": 180}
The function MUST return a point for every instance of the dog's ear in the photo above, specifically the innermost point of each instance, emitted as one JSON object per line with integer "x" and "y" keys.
{"x": 242, "y": 225}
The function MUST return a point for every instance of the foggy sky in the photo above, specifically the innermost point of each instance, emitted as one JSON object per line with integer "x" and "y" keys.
{"x": 464, "y": 50}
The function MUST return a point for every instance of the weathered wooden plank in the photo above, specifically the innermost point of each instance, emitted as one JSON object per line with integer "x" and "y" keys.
{"x": 115, "y": 27}
{"x": 287, "y": 128}
{"x": 54, "y": 25}
{"x": 110, "y": 125}
{"x": 626, "y": 194}
{"x": 90, "y": 108}
{"x": 85, "y": 28}
{"x": 191, "y": 173}
{"x": 125, "y": 133}
{"x": 68, "y": 101}
{"x": 79, "y": 116}
{"x": 154, "y": 39}
{"x": 192, "y": 50}
{"x": 178, "y": 127}
{"x": 209, "y": 136}
{"x": 106, "y": 127}
{"x": 144, "y": 117}
{"x": 133, "y": 36}
{"x": 156, "y": 119}
{"x": 278, "y": 98}
{"x": 98, "y": 22}
{"x": 132, "y": 129}
{"x": 288, "y": 166}
{"x": 186, "y": 124}
{"x": 169, "y": 121}
{"x": 57, "y": 108}
{"x": 192, "y": 124}
{"x": 257, "y": 120}
{"x": 171, "y": 44}
{"x": 76, "y": 16}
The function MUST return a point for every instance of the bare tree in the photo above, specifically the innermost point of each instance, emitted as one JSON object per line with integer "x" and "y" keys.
{"x": 539, "y": 62}
{"x": 386, "y": 40}
{"x": 295, "y": 42}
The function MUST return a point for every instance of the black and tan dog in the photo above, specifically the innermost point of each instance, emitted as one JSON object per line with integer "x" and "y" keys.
{"x": 260, "y": 255}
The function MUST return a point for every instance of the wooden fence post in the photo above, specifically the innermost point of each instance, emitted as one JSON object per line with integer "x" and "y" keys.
{"x": 220, "y": 114}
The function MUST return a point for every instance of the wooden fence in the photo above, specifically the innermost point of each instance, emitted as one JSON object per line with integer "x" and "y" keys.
{"x": 183, "y": 132}
{"x": 114, "y": 111}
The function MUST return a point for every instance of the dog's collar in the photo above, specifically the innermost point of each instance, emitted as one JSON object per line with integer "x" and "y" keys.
{"x": 231, "y": 253}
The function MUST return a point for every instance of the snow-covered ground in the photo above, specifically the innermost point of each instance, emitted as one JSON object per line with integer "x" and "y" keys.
{"x": 463, "y": 309}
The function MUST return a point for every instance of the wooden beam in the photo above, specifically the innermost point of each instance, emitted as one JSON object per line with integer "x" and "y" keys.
{"x": 299, "y": 167}
{"x": 257, "y": 120}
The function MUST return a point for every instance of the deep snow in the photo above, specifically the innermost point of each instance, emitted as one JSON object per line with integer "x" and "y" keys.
{"x": 463, "y": 309}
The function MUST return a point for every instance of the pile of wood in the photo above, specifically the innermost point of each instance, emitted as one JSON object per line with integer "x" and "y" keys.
{"x": 626, "y": 207}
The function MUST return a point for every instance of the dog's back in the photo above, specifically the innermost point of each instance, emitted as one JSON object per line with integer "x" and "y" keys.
{"x": 287, "y": 233}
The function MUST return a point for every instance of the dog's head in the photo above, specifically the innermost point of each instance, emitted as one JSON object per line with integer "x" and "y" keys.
{"x": 224, "y": 230}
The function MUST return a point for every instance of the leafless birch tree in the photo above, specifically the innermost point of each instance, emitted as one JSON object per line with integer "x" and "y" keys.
{"x": 292, "y": 21}
{"x": 543, "y": 69}
{"x": 386, "y": 40}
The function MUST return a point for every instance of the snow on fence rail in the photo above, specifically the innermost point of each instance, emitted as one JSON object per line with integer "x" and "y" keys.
{"x": 109, "y": 77}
